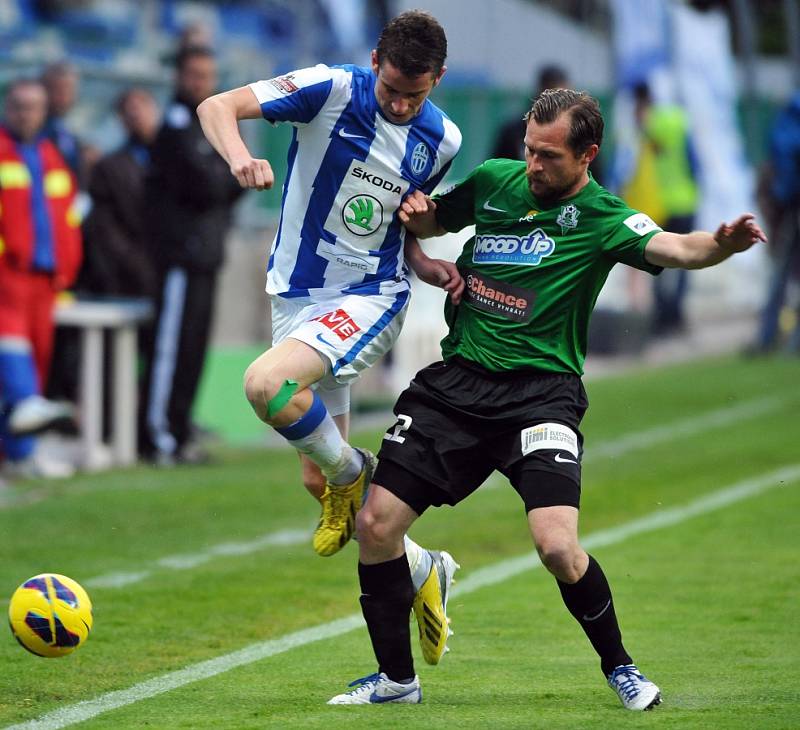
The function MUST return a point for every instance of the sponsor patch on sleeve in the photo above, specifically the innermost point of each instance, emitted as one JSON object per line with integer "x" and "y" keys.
{"x": 549, "y": 436}
{"x": 641, "y": 223}
{"x": 284, "y": 84}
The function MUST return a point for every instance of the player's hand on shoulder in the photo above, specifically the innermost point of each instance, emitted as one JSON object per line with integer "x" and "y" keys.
{"x": 413, "y": 205}
{"x": 740, "y": 235}
{"x": 253, "y": 173}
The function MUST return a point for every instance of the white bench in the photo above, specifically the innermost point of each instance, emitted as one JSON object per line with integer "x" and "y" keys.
{"x": 122, "y": 317}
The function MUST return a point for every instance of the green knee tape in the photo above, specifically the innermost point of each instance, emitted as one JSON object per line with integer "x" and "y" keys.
{"x": 282, "y": 397}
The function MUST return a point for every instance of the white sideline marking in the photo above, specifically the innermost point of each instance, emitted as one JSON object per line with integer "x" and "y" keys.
{"x": 192, "y": 560}
{"x": 481, "y": 578}
{"x": 624, "y": 444}
{"x": 712, "y": 419}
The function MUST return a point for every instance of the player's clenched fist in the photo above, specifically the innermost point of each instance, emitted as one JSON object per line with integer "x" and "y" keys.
{"x": 415, "y": 204}
{"x": 253, "y": 173}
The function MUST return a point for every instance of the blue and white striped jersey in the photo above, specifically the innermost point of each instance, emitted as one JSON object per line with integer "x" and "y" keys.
{"x": 349, "y": 169}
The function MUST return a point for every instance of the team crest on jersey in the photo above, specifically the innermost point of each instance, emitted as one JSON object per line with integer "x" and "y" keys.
{"x": 362, "y": 214}
{"x": 284, "y": 84}
{"x": 568, "y": 218}
{"x": 339, "y": 322}
{"x": 419, "y": 158}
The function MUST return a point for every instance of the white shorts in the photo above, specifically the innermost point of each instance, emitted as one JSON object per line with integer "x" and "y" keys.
{"x": 350, "y": 332}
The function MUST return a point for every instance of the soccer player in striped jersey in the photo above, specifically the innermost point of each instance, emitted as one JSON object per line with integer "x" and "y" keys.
{"x": 363, "y": 140}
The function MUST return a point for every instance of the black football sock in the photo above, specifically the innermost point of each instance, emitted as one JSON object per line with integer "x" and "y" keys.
{"x": 590, "y": 602}
{"x": 386, "y": 597}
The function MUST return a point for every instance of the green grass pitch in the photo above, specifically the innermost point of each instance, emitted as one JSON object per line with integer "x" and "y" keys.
{"x": 708, "y": 603}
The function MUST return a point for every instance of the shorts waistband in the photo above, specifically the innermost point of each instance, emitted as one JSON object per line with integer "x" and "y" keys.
{"x": 516, "y": 373}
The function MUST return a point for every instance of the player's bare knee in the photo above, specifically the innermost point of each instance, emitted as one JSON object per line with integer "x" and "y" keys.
{"x": 365, "y": 525}
{"x": 372, "y": 531}
{"x": 558, "y": 557}
{"x": 260, "y": 389}
{"x": 254, "y": 390}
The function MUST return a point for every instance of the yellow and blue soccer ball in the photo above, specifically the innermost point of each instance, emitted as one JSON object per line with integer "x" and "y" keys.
{"x": 50, "y": 615}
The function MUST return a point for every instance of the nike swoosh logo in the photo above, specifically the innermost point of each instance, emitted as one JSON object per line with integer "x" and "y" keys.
{"x": 324, "y": 341}
{"x": 347, "y": 135}
{"x": 486, "y": 206}
{"x": 561, "y": 460}
{"x": 597, "y": 615}
{"x": 376, "y": 698}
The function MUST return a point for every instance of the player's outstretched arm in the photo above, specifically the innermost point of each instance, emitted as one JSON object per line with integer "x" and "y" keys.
{"x": 219, "y": 115}
{"x": 436, "y": 272}
{"x": 701, "y": 249}
{"x": 417, "y": 212}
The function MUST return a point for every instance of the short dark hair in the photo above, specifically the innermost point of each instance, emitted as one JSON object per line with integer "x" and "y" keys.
{"x": 586, "y": 121}
{"x": 187, "y": 53}
{"x": 414, "y": 43}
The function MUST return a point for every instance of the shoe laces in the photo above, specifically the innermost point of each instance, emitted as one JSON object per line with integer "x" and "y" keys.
{"x": 363, "y": 682}
{"x": 627, "y": 681}
{"x": 338, "y": 501}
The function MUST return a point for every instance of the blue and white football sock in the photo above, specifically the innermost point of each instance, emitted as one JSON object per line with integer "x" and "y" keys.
{"x": 315, "y": 434}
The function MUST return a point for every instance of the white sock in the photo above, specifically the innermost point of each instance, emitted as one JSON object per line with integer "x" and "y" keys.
{"x": 324, "y": 445}
{"x": 419, "y": 562}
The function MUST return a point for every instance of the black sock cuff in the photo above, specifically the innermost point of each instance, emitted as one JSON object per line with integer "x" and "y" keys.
{"x": 590, "y": 591}
{"x": 375, "y": 578}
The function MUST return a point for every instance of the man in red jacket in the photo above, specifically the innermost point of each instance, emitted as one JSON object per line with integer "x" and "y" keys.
{"x": 40, "y": 252}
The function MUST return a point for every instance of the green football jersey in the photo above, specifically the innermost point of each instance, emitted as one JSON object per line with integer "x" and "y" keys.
{"x": 533, "y": 273}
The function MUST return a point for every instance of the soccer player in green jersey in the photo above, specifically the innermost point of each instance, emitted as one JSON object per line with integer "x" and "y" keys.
{"x": 508, "y": 395}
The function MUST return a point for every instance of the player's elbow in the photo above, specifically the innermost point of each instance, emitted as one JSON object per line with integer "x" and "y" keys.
{"x": 209, "y": 107}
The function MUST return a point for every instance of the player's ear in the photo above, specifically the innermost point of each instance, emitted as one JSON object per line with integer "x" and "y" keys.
{"x": 374, "y": 61}
{"x": 439, "y": 77}
{"x": 591, "y": 152}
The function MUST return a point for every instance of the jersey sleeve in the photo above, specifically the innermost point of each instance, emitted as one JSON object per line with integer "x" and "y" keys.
{"x": 455, "y": 208}
{"x": 627, "y": 238}
{"x": 296, "y": 97}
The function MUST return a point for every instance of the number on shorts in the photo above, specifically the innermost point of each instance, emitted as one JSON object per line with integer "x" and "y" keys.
{"x": 403, "y": 424}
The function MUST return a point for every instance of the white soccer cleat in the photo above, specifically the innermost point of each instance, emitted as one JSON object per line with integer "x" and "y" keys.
{"x": 635, "y": 691}
{"x": 377, "y": 689}
{"x": 35, "y": 414}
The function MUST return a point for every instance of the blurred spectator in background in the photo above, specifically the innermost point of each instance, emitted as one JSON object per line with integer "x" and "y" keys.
{"x": 117, "y": 258}
{"x": 189, "y": 194}
{"x": 62, "y": 82}
{"x": 781, "y": 200}
{"x": 509, "y": 141}
{"x": 667, "y": 166}
{"x": 40, "y": 251}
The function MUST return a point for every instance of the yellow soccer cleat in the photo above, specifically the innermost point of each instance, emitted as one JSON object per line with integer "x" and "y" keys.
{"x": 339, "y": 506}
{"x": 430, "y": 607}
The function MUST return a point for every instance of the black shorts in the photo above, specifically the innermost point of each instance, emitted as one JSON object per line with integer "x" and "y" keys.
{"x": 458, "y": 422}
